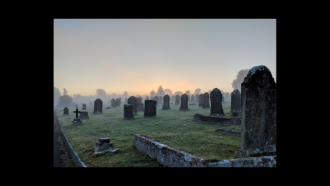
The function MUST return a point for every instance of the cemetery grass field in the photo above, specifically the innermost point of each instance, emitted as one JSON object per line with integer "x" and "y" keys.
{"x": 173, "y": 128}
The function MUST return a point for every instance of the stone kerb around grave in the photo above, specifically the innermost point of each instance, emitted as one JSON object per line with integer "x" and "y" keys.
{"x": 258, "y": 104}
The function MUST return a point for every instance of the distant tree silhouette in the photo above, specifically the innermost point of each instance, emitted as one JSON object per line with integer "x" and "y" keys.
{"x": 160, "y": 91}
{"x": 152, "y": 93}
{"x": 168, "y": 91}
{"x": 188, "y": 92}
{"x": 125, "y": 94}
{"x": 236, "y": 84}
{"x": 198, "y": 91}
{"x": 101, "y": 92}
{"x": 65, "y": 100}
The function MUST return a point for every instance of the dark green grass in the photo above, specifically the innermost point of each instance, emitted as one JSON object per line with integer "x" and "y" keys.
{"x": 173, "y": 128}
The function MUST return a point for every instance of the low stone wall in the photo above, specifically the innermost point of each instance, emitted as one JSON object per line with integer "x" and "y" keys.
{"x": 175, "y": 158}
{"x": 73, "y": 154}
{"x": 217, "y": 120}
{"x": 231, "y": 132}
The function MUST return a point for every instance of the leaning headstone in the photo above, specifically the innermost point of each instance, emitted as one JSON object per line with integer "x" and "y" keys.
{"x": 132, "y": 100}
{"x": 66, "y": 111}
{"x": 192, "y": 98}
{"x": 83, "y": 115}
{"x": 166, "y": 105}
{"x": 98, "y": 105}
{"x": 206, "y": 100}
{"x": 235, "y": 106}
{"x": 201, "y": 100}
{"x": 177, "y": 100}
{"x": 84, "y": 107}
{"x": 128, "y": 111}
{"x": 258, "y": 122}
{"x": 150, "y": 108}
{"x": 216, "y": 105}
{"x": 76, "y": 121}
{"x": 113, "y": 102}
{"x": 184, "y": 102}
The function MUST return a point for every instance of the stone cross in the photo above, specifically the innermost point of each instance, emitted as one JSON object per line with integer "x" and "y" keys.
{"x": 76, "y": 112}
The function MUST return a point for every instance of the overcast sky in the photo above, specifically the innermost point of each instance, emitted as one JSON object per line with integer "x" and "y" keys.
{"x": 139, "y": 55}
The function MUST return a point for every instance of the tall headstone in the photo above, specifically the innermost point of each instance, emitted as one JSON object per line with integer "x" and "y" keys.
{"x": 117, "y": 102}
{"x": 150, "y": 108}
{"x": 201, "y": 100}
{"x": 184, "y": 102}
{"x": 258, "y": 107}
{"x": 166, "y": 105}
{"x": 177, "y": 100}
{"x": 235, "y": 101}
{"x": 128, "y": 111}
{"x": 98, "y": 105}
{"x": 66, "y": 111}
{"x": 132, "y": 100}
{"x": 113, "y": 102}
{"x": 84, "y": 107}
{"x": 216, "y": 105}
{"x": 206, "y": 98}
{"x": 192, "y": 98}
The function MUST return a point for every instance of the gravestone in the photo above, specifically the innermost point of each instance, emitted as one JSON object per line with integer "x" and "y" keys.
{"x": 76, "y": 121}
{"x": 66, "y": 111}
{"x": 206, "y": 98}
{"x": 192, "y": 98}
{"x": 156, "y": 99}
{"x": 103, "y": 146}
{"x": 113, "y": 102}
{"x": 128, "y": 111}
{"x": 150, "y": 108}
{"x": 184, "y": 102}
{"x": 235, "y": 102}
{"x": 98, "y": 105}
{"x": 197, "y": 98}
{"x": 132, "y": 100}
{"x": 117, "y": 102}
{"x": 83, "y": 115}
{"x": 201, "y": 100}
{"x": 177, "y": 100}
{"x": 166, "y": 105}
{"x": 84, "y": 107}
{"x": 258, "y": 107}
{"x": 125, "y": 100}
{"x": 216, "y": 105}
{"x": 140, "y": 105}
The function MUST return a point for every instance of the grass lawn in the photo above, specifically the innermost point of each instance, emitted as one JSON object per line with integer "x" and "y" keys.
{"x": 173, "y": 128}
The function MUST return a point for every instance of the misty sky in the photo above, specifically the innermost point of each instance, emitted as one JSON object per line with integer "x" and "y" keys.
{"x": 138, "y": 55}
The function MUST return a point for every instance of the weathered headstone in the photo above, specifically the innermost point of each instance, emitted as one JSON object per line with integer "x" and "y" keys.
{"x": 113, "y": 102}
{"x": 235, "y": 102}
{"x": 201, "y": 100}
{"x": 258, "y": 107}
{"x": 166, "y": 105}
{"x": 65, "y": 111}
{"x": 76, "y": 121}
{"x": 103, "y": 146}
{"x": 177, "y": 100}
{"x": 132, "y": 100}
{"x": 84, "y": 107}
{"x": 184, "y": 102}
{"x": 117, "y": 102}
{"x": 98, "y": 105}
{"x": 128, "y": 111}
{"x": 192, "y": 98}
{"x": 206, "y": 98}
{"x": 216, "y": 105}
{"x": 83, "y": 115}
{"x": 150, "y": 108}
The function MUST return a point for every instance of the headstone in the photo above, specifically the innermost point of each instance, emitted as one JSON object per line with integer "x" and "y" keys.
{"x": 201, "y": 100}
{"x": 125, "y": 100}
{"x": 192, "y": 98}
{"x": 156, "y": 99}
{"x": 84, "y": 107}
{"x": 140, "y": 105}
{"x": 113, "y": 102}
{"x": 83, "y": 115}
{"x": 166, "y": 105}
{"x": 235, "y": 102}
{"x": 76, "y": 121}
{"x": 184, "y": 102}
{"x": 150, "y": 108}
{"x": 66, "y": 111}
{"x": 103, "y": 144}
{"x": 128, "y": 111}
{"x": 117, "y": 102}
{"x": 98, "y": 105}
{"x": 177, "y": 100}
{"x": 197, "y": 98}
{"x": 132, "y": 100}
{"x": 206, "y": 98}
{"x": 216, "y": 105}
{"x": 258, "y": 107}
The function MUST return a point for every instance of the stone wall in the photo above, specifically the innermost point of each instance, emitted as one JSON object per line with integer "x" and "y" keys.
{"x": 175, "y": 158}
{"x": 73, "y": 154}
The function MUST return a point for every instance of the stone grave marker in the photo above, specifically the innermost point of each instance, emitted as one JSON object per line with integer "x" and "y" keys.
{"x": 184, "y": 102}
{"x": 166, "y": 105}
{"x": 117, "y": 102}
{"x": 83, "y": 115}
{"x": 132, "y": 100}
{"x": 235, "y": 106}
{"x": 113, "y": 103}
{"x": 201, "y": 100}
{"x": 104, "y": 146}
{"x": 76, "y": 121}
{"x": 197, "y": 98}
{"x": 150, "y": 108}
{"x": 128, "y": 111}
{"x": 84, "y": 107}
{"x": 98, "y": 105}
{"x": 206, "y": 98}
{"x": 258, "y": 107}
{"x": 216, "y": 105}
{"x": 140, "y": 105}
{"x": 66, "y": 111}
{"x": 177, "y": 100}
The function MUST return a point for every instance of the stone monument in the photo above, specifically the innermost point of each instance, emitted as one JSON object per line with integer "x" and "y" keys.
{"x": 184, "y": 102}
{"x": 128, "y": 111}
{"x": 132, "y": 101}
{"x": 216, "y": 105}
{"x": 206, "y": 98}
{"x": 98, "y": 105}
{"x": 235, "y": 106}
{"x": 150, "y": 108}
{"x": 76, "y": 121}
{"x": 166, "y": 105}
{"x": 66, "y": 111}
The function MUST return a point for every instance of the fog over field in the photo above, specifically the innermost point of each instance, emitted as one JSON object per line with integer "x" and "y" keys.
{"x": 103, "y": 58}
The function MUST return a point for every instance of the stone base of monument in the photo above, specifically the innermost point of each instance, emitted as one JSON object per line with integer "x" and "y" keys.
{"x": 217, "y": 120}
{"x": 263, "y": 151}
{"x": 76, "y": 121}
{"x": 103, "y": 146}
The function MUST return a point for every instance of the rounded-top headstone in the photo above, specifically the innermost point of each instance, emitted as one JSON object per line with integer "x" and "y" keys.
{"x": 65, "y": 111}
{"x": 184, "y": 102}
{"x": 133, "y": 101}
{"x": 98, "y": 105}
{"x": 166, "y": 104}
{"x": 206, "y": 98}
{"x": 201, "y": 100}
{"x": 216, "y": 103}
